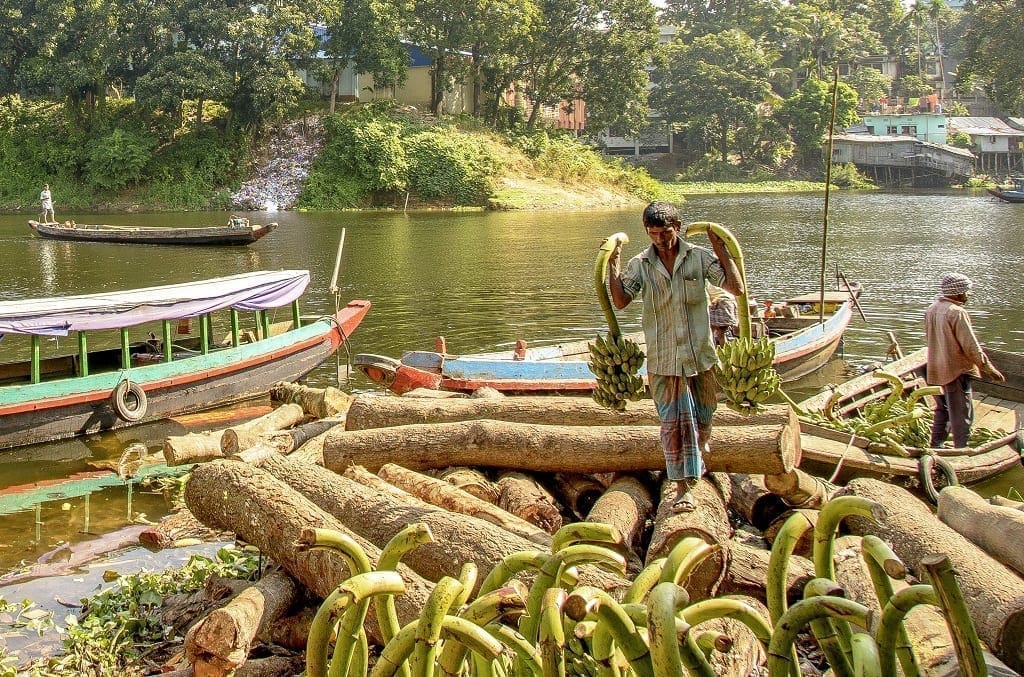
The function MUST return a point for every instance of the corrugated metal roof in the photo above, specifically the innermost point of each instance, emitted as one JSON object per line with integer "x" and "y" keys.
{"x": 980, "y": 126}
{"x": 1017, "y": 122}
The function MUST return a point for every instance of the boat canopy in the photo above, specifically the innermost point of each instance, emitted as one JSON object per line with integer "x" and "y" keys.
{"x": 114, "y": 310}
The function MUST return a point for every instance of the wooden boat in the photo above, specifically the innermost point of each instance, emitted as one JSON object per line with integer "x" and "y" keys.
{"x": 238, "y": 231}
{"x": 1013, "y": 193}
{"x": 802, "y": 345}
{"x": 824, "y": 448}
{"x": 129, "y": 381}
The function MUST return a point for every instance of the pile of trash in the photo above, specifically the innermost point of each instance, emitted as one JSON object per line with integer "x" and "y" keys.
{"x": 279, "y": 180}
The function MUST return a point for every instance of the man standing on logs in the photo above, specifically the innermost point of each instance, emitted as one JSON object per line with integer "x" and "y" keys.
{"x": 954, "y": 357}
{"x": 670, "y": 276}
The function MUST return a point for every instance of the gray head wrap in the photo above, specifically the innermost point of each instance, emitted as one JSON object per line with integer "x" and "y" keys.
{"x": 954, "y": 284}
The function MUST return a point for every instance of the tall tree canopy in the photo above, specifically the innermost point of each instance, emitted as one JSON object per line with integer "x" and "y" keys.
{"x": 994, "y": 53}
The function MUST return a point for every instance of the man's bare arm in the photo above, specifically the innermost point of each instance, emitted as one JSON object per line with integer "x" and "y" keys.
{"x": 733, "y": 284}
{"x": 620, "y": 298}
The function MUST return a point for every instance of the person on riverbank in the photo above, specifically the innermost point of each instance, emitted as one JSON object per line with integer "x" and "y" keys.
{"x": 670, "y": 277}
{"x": 47, "y": 202}
{"x": 724, "y": 315}
{"x": 954, "y": 358}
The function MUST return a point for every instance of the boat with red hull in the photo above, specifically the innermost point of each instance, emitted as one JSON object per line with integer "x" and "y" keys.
{"x": 802, "y": 345}
{"x": 157, "y": 376}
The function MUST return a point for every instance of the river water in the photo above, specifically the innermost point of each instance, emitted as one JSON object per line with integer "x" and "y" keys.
{"x": 483, "y": 280}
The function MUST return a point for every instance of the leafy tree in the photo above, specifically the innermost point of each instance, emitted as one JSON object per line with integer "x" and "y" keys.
{"x": 366, "y": 34}
{"x": 808, "y": 113}
{"x": 714, "y": 83}
{"x": 994, "y": 53}
{"x": 869, "y": 83}
{"x": 179, "y": 77}
{"x": 913, "y": 86}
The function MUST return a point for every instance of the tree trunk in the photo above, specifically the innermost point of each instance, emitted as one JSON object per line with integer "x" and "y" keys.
{"x": 994, "y": 593}
{"x": 291, "y": 632}
{"x": 747, "y": 573}
{"x": 805, "y": 544}
{"x": 925, "y": 624}
{"x": 444, "y": 495}
{"x": 472, "y": 481}
{"x": 220, "y": 642}
{"x": 752, "y": 501}
{"x": 335, "y": 78}
{"x": 578, "y": 492}
{"x": 767, "y": 449}
{"x": 199, "y": 114}
{"x": 625, "y": 505}
{"x": 317, "y": 402}
{"x": 371, "y": 411}
{"x": 176, "y": 527}
{"x": 747, "y": 655}
{"x": 286, "y": 441}
{"x": 192, "y": 448}
{"x": 997, "y": 530}
{"x": 271, "y": 515}
{"x": 709, "y": 521}
{"x": 312, "y": 451}
{"x": 378, "y": 516}
{"x": 524, "y": 497}
{"x": 241, "y": 437}
{"x": 799, "y": 489}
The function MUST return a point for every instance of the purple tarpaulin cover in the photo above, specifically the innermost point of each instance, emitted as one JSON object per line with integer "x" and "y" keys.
{"x": 113, "y": 310}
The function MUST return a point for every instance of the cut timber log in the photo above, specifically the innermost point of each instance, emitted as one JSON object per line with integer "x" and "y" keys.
{"x": 708, "y": 521}
{"x": 748, "y": 571}
{"x": 368, "y": 411}
{"x": 317, "y": 402}
{"x": 747, "y": 655}
{"x": 271, "y": 515}
{"x": 765, "y": 449}
{"x": 1006, "y": 502}
{"x": 192, "y": 448}
{"x": 753, "y": 501}
{"x": 444, "y": 495}
{"x": 578, "y": 492}
{"x": 313, "y": 450}
{"x": 471, "y": 481}
{"x": 221, "y": 641}
{"x": 178, "y": 526}
{"x": 241, "y": 437}
{"x": 291, "y": 632}
{"x": 805, "y": 544}
{"x": 525, "y": 498}
{"x": 378, "y": 516}
{"x": 625, "y": 505}
{"x": 994, "y": 593}
{"x": 799, "y": 489}
{"x": 272, "y": 666}
{"x": 286, "y": 441}
{"x": 997, "y": 530}
{"x": 925, "y": 624}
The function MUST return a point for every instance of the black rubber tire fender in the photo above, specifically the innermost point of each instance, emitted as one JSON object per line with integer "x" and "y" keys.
{"x": 129, "y": 401}
{"x": 924, "y": 475}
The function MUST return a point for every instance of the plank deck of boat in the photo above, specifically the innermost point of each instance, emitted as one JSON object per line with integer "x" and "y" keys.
{"x": 993, "y": 412}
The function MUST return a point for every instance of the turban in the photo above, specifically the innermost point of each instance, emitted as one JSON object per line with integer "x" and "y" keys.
{"x": 954, "y": 284}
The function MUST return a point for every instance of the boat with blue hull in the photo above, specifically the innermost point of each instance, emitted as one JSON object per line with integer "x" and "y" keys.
{"x": 1011, "y": 193}
{"x": 802, "y": 345}
{"x": 166, "y": 369}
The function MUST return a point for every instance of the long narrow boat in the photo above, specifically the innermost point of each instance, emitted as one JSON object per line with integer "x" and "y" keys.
{"x": 1012, "y": 193}
{"x": 238, "y": 231}
{"x": 156, "y": 374}
{"x": 802, "y": 345}
{"x": 824, "y": 448}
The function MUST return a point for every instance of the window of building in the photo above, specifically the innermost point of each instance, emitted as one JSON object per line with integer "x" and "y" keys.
{"x": 909, "y": 130}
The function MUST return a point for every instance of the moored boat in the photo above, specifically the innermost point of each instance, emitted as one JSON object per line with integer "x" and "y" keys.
{"x": 238, "y": 231}
{"x": 832, "y": 449}
{"x": 802, "y": 345}
{"x": 156, "y": 374}
{"x": 1012, "y": 193}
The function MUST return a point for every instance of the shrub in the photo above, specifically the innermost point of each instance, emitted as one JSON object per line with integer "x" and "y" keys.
{"x": 848, "y": 176}
{"x": 117, "y": 159}
{"x": 453, "y": 167}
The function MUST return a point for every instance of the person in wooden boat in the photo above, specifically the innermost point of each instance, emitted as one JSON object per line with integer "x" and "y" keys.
{"x": 724, "y": 315}
{"x": 670, "y": 276}
{"x": 954, "y": 358}
{"x": 46, "y": 198}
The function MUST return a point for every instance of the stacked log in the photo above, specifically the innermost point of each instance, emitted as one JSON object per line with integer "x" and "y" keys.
{"x": 524, "y": 497}
{"x": 625, "y": 504}
{"x": 994, "y": 593}
{"x": 996, "y": 529}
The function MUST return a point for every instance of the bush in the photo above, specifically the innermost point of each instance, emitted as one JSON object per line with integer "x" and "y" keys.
{"x": 117, "y": 159}
{"x": 848, "y": 176}
{"x": 452, "y": 167}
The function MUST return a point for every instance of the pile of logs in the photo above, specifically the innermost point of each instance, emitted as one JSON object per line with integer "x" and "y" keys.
{"x": 494, "y": 476}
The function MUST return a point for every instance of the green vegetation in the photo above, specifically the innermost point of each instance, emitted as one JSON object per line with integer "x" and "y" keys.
{"x": 120, "y": 158}
{"x": 118, "y": 626}
{"x": 375, "y": 155}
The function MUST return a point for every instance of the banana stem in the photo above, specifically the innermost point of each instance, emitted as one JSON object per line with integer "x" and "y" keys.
{"x": 732, "y": 245}
{"x": 601, "y": 280}
{"x": 958, "y": 619}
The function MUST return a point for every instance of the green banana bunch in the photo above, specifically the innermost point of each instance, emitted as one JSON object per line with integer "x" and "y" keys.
{"x": 745, "y": 373}
{"x": 615, "y": 360}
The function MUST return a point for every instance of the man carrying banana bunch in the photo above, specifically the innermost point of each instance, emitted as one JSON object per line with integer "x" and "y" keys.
{"x": 670, "y": 278}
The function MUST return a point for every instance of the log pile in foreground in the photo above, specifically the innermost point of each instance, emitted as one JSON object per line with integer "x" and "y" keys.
{"x": 490, "y": 488}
